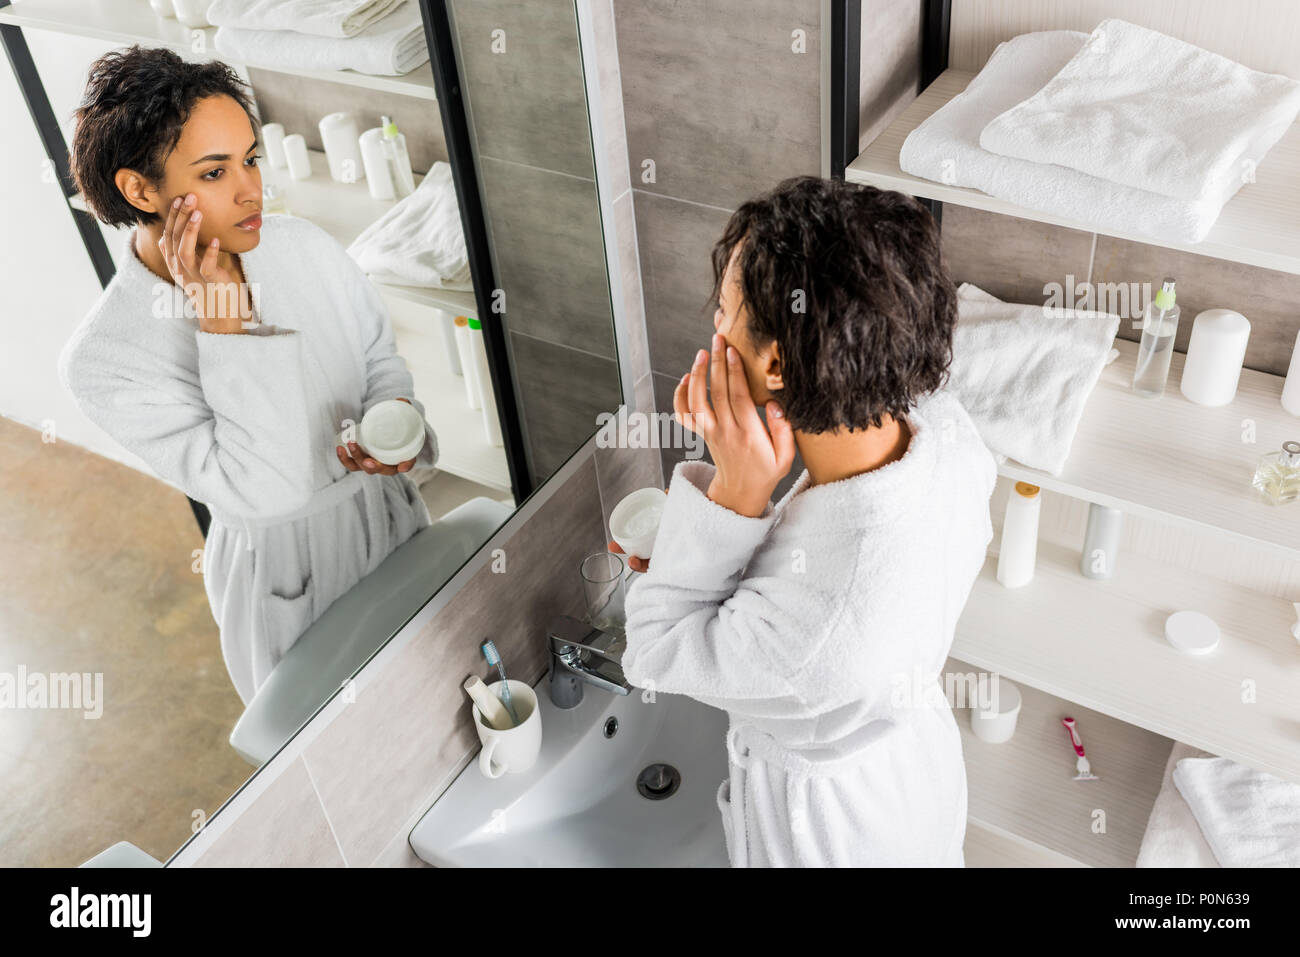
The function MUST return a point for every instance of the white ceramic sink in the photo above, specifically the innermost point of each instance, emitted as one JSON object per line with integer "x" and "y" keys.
{"x": 579, "y": 805}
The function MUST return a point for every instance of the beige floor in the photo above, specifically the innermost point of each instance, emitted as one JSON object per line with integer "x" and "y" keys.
{"x": 97, "y": 562}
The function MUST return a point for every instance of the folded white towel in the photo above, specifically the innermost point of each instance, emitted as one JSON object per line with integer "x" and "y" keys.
{"x": 387, "y": 47}
{"x": 1249, "y": 818}
{"x": 1140, "y": 108}
{"x": 1173, "y": 838}
{"x": 1024, "y": 373}
{"x": 323, "y": 18}
{"x": 946, "y": 148}
{"x": 419, "y": 242}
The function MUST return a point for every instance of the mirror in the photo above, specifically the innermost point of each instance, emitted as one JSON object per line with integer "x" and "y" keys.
{"x": 434, "y": 289}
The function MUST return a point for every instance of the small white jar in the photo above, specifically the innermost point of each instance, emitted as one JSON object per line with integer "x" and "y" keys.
{"x": 391, "y": 432}
{"x": 996, "y": 724}
{"x": 634, "y": 523}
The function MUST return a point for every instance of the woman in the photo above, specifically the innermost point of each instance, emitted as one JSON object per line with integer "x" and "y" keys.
{"x": 237, "y": 400}
{"x": 820, "y": 624}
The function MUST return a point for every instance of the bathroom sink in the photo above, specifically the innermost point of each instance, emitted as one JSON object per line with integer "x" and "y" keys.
{"x": 579, "y": 805}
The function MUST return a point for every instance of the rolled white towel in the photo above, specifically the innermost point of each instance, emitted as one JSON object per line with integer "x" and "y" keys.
{"x": 388, "y": 47}
{"x": 1249, "y": 818}
{"x": 419, "y": 242}
{"x": 322, "y": 18}
{"x": 1138, "y": 107}
{"x": 946, "y": 148}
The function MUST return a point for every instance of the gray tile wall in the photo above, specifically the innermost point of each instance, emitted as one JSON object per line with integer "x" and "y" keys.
{"x": 715, "y": 97}
{"x": 353, "y": 795}
{"x": 528, "y": 111}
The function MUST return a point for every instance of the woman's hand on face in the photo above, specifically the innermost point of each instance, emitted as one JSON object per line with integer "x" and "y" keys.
{"x": 210, "y": 287}
{"x": 751, "y": 457}
{"x": 354, "y": 460}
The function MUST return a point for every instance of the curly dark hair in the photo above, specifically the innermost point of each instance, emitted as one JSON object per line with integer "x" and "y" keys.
{"x": 135, "y": 104}
{"x": 848, "y": 281}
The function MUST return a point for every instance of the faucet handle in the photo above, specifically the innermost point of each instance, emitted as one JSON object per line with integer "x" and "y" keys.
{"x": 565, "y": 630}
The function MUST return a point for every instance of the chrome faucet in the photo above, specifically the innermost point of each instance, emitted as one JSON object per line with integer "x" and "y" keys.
{"x": 582, "y": 654}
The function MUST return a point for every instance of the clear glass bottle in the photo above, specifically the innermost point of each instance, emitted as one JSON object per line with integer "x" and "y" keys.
{"x": 1159, "y": 326}
{"x": 1278, "y": 474}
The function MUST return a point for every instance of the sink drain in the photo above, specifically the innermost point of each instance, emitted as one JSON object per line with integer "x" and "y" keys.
{"x": 658, "y": 781}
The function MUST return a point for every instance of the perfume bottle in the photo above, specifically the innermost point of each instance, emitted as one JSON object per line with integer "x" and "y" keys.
{"x": 1159, "y": 325}
{"x": 1278, "y": 474}
{"x": 273, "y": 199}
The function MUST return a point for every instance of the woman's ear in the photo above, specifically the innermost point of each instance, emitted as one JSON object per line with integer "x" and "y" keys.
{"x": 136, "y": 190}
{"x": 771, "y": 359}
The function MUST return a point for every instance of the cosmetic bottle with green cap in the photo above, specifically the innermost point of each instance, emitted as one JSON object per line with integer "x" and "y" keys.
{"x": 1159, "y": 326}
{"x": 399, "y": 161}
{"x": 487, "y": 402}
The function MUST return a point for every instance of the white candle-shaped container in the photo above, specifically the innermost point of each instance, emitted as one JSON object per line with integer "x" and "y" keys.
{"x": 273, "y": 143}
{"x": 1019, "y": 548}
{"x": 1101, "y": 541}
{"x": 295, "y": 154}
{"x": 491, "y": 426}
{"x": 192, "y": 13}
{"x": 467, "y": 366}
{"x": 1214, "y": 356}
{"x": 1291, "y": 388}
{"x": 163, "y": 8}
{"x": 338, "y": 134}
{"x": 378, "y": 175}
{"x": 995, "y": 722}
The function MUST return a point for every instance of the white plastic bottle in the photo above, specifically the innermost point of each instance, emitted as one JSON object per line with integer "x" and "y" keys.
{"x": 1019, "y": 548}
{"x": 1291, "y": 387}
{"x": 399, "y": 161}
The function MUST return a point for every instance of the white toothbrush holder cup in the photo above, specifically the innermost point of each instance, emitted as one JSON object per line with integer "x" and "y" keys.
{"x": 516, "y": 749}
{"x": 994, "y": 721}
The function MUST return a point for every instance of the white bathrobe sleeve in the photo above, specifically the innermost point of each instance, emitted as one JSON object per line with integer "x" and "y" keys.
{"x": 387, "y": 376}
{"x": 238, "y": 440}
{"x": 694, "y": 627}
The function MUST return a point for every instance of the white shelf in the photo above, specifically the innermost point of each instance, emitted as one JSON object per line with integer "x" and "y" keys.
{"x": 1175, "y": 461}
{"x": 133, "y": 21}
{"x": 1260, "y": 226}
{"x": 1101, "y": 645}
{"x": 1025, "y": 787}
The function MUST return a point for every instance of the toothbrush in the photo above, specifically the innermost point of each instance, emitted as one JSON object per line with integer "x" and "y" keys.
{"x": 1085, "y": 772}
{"x": 494, "y": 660}
{"x": 489, "y": 705}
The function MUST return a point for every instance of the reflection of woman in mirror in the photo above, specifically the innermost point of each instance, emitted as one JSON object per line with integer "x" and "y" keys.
{"x": 235, "y": 400}
{"x": 821, "y": 623}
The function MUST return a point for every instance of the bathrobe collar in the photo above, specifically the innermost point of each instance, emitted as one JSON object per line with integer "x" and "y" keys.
{"x": 874, "y": 497}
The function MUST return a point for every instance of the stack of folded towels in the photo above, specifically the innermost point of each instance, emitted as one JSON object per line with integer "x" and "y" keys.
{"x": 1122, "y": 130}
{"x": 380, "y": 37}
{"x": 1213, "y": 812}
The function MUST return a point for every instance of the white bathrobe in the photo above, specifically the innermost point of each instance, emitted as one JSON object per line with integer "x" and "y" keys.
{"x": 247, "y": 424}
{"x": 821, "y": 628}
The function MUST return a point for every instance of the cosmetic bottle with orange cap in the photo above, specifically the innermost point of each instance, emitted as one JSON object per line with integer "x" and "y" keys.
{"x": 1019, "y": 547}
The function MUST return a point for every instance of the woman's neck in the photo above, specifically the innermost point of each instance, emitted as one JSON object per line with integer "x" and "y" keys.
{"x": 832, "y": 456}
